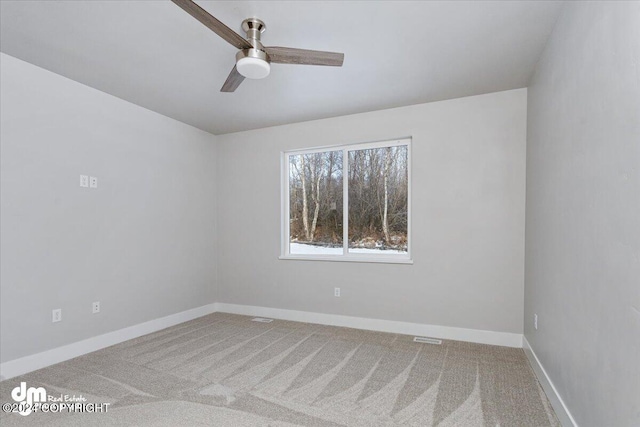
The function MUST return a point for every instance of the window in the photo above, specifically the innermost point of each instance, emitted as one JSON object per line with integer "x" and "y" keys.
{"x": 347, "y": 203}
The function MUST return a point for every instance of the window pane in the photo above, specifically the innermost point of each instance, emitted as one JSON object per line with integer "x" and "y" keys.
{"x": 315, "y": 203}
{"x": 378, "y": 201}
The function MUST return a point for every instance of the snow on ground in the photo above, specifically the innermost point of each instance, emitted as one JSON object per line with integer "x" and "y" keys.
{"x": 302, "y": 249}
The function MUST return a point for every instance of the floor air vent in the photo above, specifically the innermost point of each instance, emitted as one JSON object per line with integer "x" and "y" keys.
{"x": 427, "y": 340}
{"x": 262, "y": 320}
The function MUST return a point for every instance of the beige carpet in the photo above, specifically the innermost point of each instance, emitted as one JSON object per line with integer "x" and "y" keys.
{"x": 226, "y": 370}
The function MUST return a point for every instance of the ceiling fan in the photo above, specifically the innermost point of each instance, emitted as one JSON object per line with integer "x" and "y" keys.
{"x": 253, "y": 59}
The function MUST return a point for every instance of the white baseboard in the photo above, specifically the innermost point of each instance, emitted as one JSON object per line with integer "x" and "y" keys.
{"x": 445, "y": 332}
{"x": 562, "y": 412}
{"x": 32, "y": 362}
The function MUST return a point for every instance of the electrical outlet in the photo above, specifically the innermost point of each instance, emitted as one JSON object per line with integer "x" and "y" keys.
{"x": 535, "y": 322}
{"x": 93, "y": 182}
{"x": 95, "y": 307}
{"x": 336, "y": 292}
{"x": 84, "y": 181}
{"x": 56, "y": 315}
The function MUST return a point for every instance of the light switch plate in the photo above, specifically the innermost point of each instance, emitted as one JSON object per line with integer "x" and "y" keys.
{"x": 84, "y": 181}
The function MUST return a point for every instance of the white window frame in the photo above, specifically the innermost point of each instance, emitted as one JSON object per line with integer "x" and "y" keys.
{"x": 345, "y": 256}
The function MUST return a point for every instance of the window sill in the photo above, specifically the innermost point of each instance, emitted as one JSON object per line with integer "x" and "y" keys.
{"x": 347, "y": 259}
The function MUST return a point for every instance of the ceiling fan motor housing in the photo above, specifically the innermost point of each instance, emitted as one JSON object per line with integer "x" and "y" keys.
{"x": 253, "y": 63}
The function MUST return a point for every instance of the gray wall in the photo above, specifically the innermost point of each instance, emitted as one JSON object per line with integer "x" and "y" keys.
{"x": 583, "y": 210}
{"x": 468, "y": 218}
{"x": 142, "y": 243}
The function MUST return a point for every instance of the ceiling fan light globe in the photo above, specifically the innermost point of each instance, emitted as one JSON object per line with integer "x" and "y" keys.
{"x": 253, "y": 68}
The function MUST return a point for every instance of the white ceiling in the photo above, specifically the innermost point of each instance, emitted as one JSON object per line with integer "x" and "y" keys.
{"x": 397, "y": 53}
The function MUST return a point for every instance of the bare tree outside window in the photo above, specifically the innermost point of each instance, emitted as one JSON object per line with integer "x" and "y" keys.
{"x": 378, "y": 199}
{"x": 315, "y": 201}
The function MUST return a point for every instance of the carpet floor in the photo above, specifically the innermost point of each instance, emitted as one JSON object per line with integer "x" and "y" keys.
{"x": 226, "y": 370}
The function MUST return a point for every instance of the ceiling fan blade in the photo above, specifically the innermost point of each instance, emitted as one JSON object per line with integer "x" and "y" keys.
{"x": 213, "y": 24}
{"x": 233, "y": 81}
{"x": 290, "y": 55}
